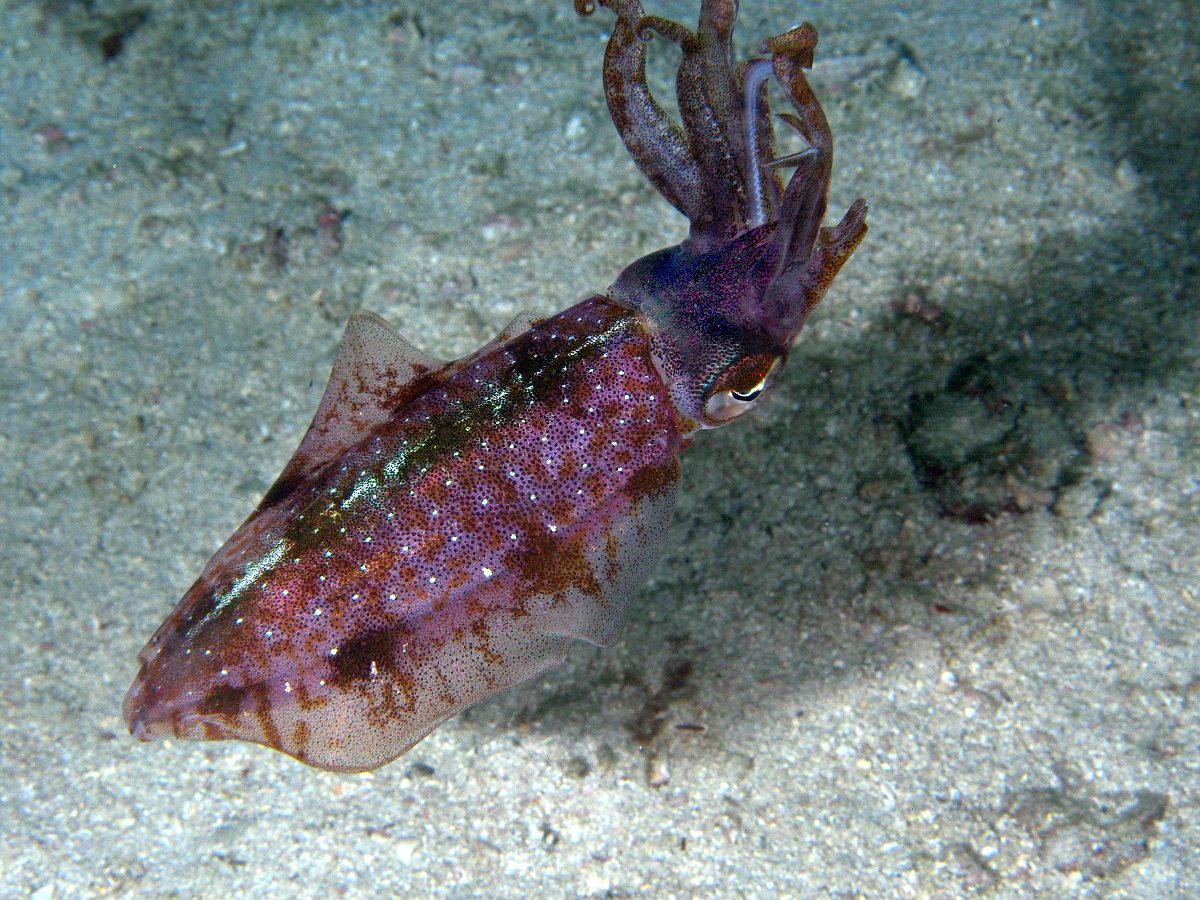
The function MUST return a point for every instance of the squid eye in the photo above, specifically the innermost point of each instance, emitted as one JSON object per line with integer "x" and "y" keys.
{"x": 740, "y": 385}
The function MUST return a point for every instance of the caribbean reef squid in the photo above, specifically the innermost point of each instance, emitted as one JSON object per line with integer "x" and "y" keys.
{"x": 446, "y": 530}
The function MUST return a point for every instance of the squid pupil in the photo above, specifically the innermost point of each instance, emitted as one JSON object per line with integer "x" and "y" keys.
{"x": 749, "y": 395}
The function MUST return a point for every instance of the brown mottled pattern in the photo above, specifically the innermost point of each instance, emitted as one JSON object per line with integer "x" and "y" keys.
{"x": 457, "y": 549}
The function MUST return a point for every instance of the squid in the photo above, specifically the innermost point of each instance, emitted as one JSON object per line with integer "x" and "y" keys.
{"x": 447, "y": 529}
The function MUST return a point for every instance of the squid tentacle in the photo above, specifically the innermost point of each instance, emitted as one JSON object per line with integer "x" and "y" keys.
{"x": 809, "y": 255}
{"x": 657, "y": 144}
{"x": 724, "y": 104}
{"x": 707, "y": 168}
{"x": 706, "y": 137}
{"x": 806, "y": 195}
{"x": 717, "y": 132}
{"x": 763, "y": 194}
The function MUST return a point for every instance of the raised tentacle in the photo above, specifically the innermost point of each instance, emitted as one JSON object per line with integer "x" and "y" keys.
{"x": 762, "y": 188}
{"x": 706, "y": 136}
{"x": 711, "y": 169}
{"x": 804, "y": 202}
{"x": 809, "y": 255}
{"x": 716, "y": 125}
{"x": 809, "y": 278}
{"x": 721, "y": 88}
{"x": 657, "y": 145}
{"x": 807, "y": 191}
{"x": 726, "y": 126}
{"x": 791, "y": 54}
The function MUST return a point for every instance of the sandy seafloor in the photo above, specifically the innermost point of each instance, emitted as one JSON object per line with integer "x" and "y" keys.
{"x": 924, "y": 626}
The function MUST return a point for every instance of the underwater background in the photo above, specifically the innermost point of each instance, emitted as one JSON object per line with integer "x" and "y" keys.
{"x": 925, "y": 625}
